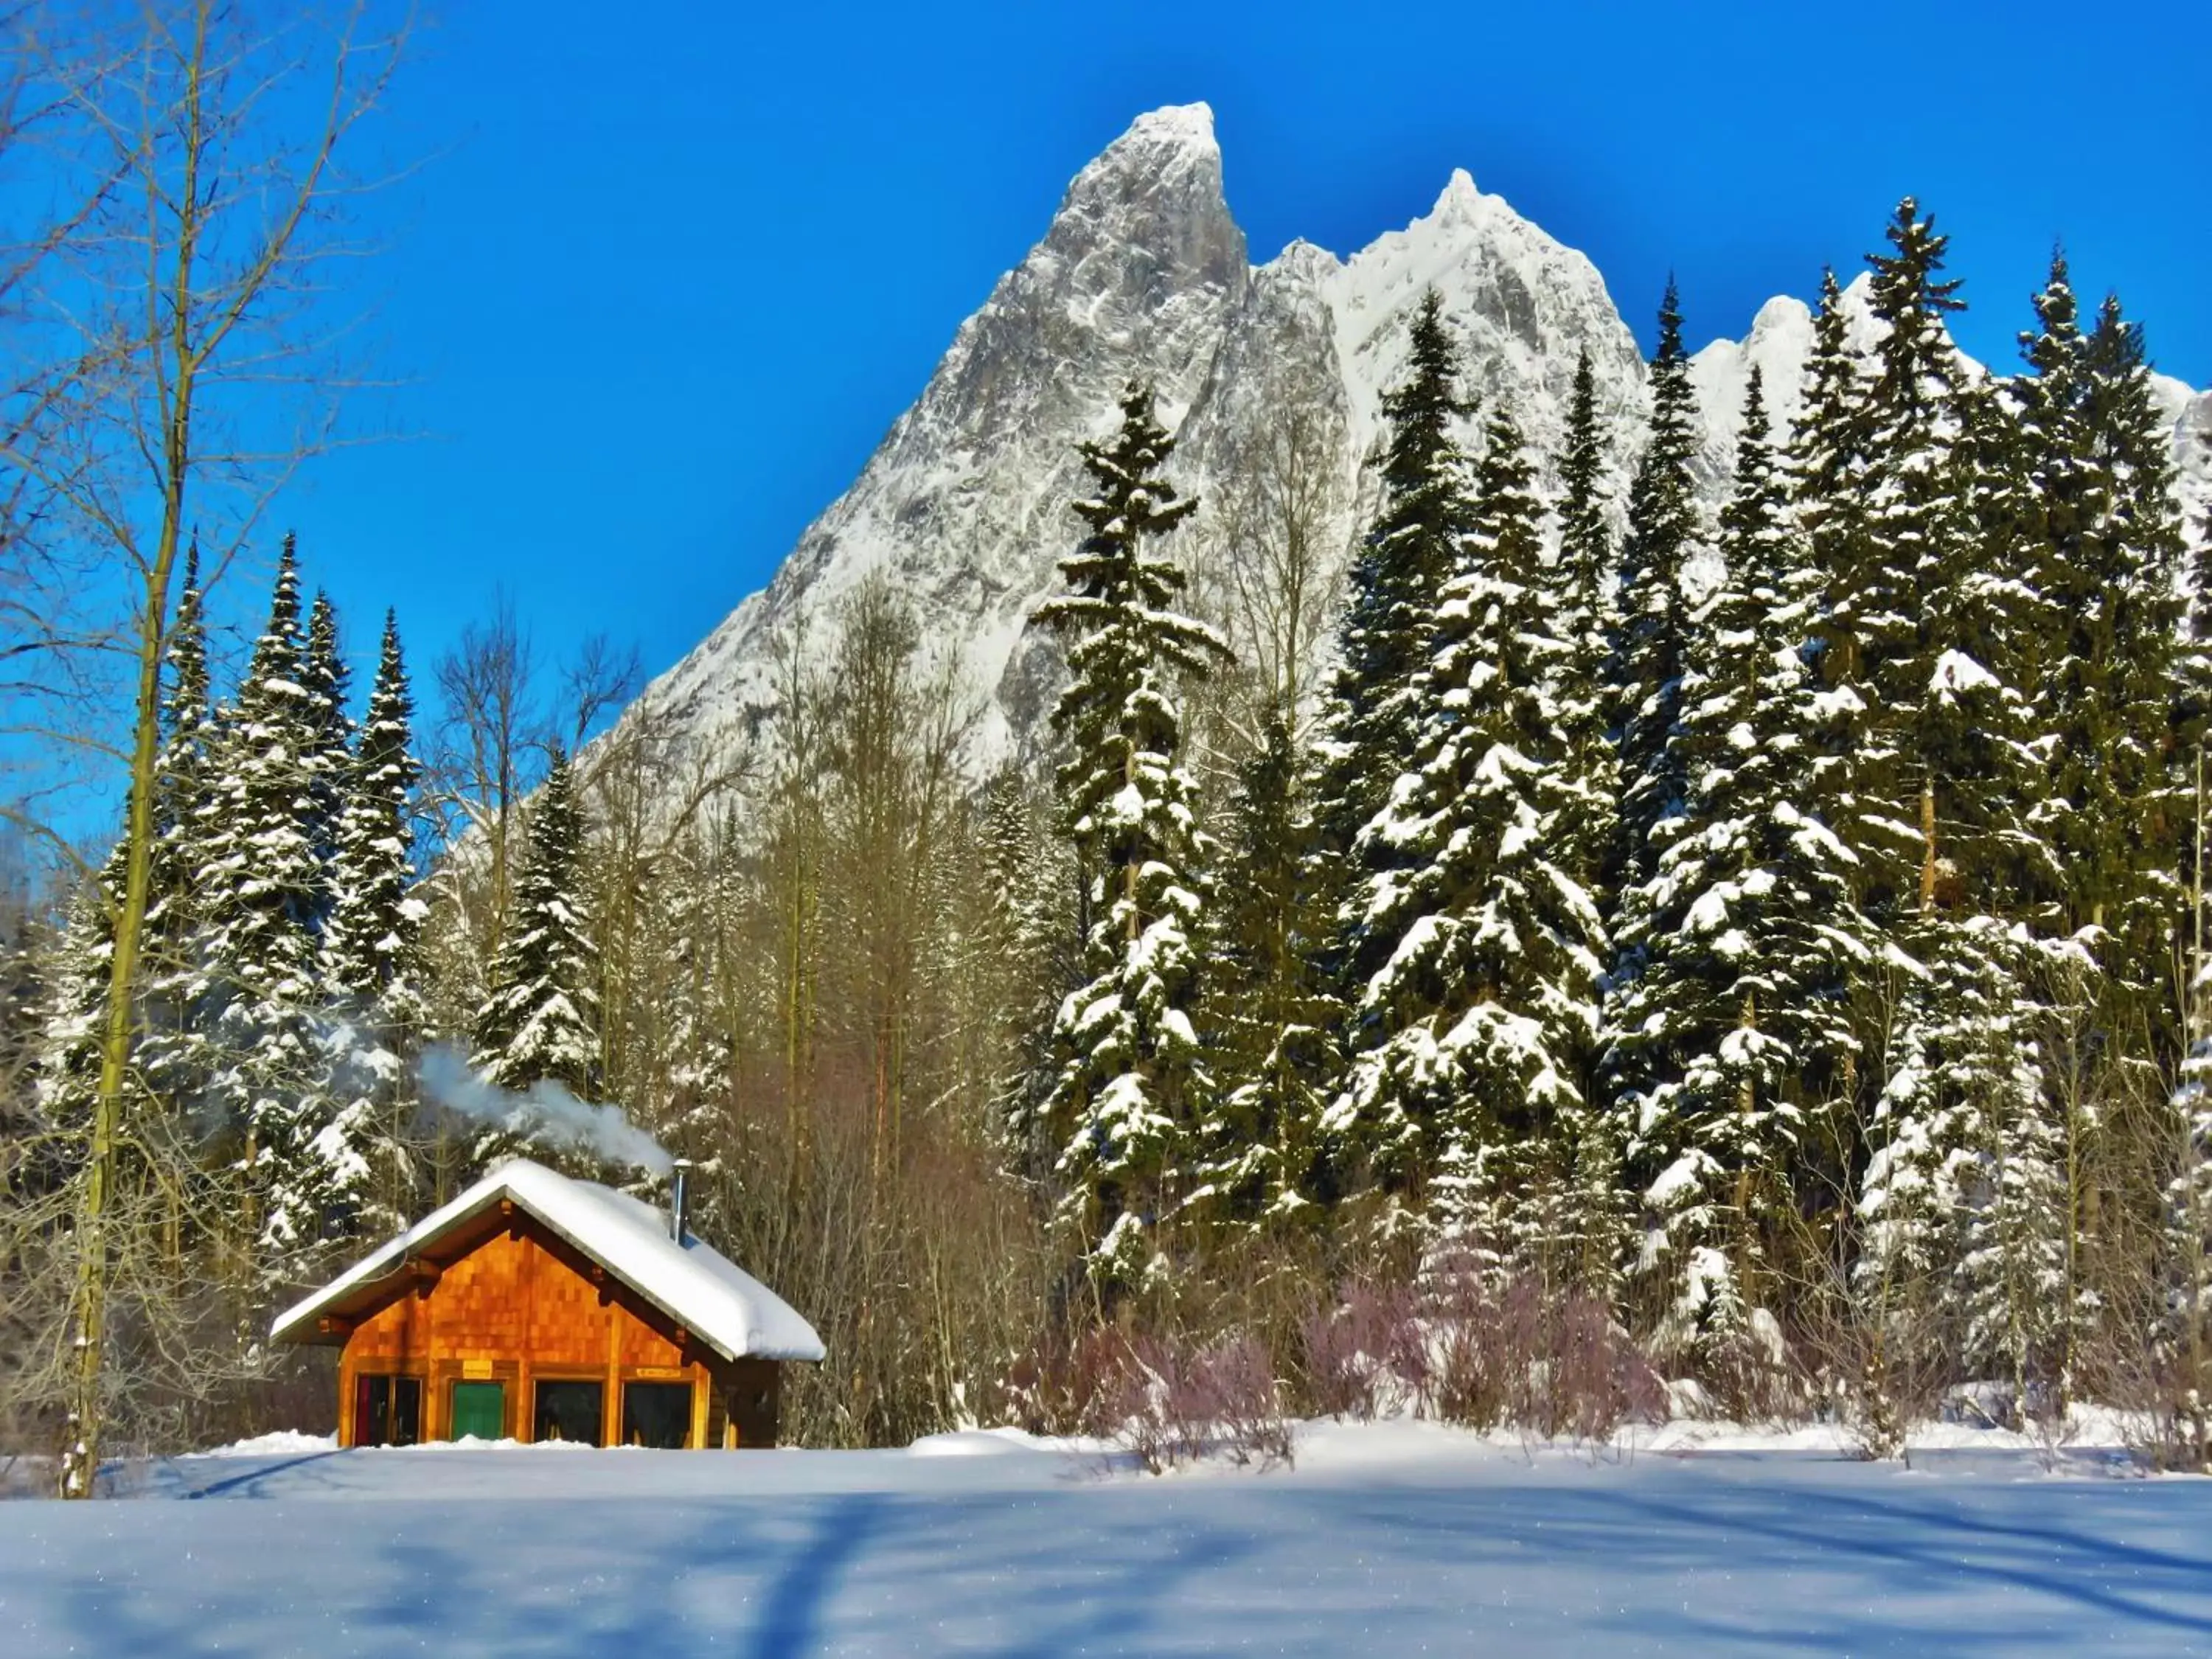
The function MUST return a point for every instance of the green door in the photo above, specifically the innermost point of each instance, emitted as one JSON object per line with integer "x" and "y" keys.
{"x": 479, "y": 1409}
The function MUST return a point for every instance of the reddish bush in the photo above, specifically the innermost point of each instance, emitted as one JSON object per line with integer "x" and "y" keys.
{"x": 1366, "y": 1355}
{"x": 1167, "y": 1404}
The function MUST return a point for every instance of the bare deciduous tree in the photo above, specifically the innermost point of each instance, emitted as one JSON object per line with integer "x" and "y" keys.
{"x": 1281, "y": 535}
{"x": 186, "y": 308}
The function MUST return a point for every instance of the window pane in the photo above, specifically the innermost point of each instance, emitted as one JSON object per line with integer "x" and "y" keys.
{"x": 406, "y": 1421}
{"x": 388, "y": 1411}
{"x": 570, "y": 1411}
{"x": 657, "y": 1414}
{"x": 372, "y": 1402}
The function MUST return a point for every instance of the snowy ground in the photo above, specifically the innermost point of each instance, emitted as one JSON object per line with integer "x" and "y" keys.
{"x": 1391, "y": 1539}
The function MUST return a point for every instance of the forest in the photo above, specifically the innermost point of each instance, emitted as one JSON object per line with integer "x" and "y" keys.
{"x": 1571, "y": 953}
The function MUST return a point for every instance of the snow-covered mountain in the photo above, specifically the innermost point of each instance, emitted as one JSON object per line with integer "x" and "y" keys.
{"x": 1144, "y": 274}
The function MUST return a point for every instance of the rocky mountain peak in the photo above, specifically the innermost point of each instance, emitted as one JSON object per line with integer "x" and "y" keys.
{"x": 1143, "y": 274}
{"x": 1147, "y": 221}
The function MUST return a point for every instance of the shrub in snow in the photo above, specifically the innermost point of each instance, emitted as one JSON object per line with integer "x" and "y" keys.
{"x": 1481, "y": 1351}
{"x": 1061, "y": 1385}
{"x": 1553, "y": 1363}
{"x": 1167, "y": 1404}
{"x": 1366, "y": 1356}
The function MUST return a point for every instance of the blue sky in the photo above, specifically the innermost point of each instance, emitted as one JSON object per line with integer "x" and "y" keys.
{"x": 667, "y": 272}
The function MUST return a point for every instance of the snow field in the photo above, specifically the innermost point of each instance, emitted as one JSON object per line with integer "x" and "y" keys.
{"x": 1395, "y": 1537}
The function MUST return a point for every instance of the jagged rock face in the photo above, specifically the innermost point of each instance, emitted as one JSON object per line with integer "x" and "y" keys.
{"x": 2192, "y": 444}
{"x": 1143, "y": 275}
{"x": 964, "y": 503}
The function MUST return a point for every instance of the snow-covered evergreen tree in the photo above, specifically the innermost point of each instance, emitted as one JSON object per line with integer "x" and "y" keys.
{"x": 327, "y": 681}
{"x": 2105, "y": 653}
{"x": 1478, "y": 952}
{"x": 1737, "y": 1031}
{"x": 372, "y": 962}
{"x": 262, "y": 889}
{"x": 1968, "y": 1183}
{"x": 1133, "y": 1086}
{"x": 2136, "y": 548}
{"x": 1371, "y": 722}
{"x": 1665, "y": 535}
{"x": 1907, "y": 537}
{"x": 540, "y": 1022}
{"x": 1826, "y": 455}
{"x": 1966, "y": 1198}
{"x": 175, "y": 1058}
{"x": 74, "y": 1018}
{"x": 1827, "y": 445}
{"x": 1588, "y": 624}
{"x": 1278, "y": 1018}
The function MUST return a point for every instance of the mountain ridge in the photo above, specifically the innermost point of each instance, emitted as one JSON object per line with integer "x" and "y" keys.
{"x": 1143, "y": 273}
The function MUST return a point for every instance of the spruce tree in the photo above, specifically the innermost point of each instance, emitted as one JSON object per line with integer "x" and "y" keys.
{"x": 1664, "y": 535}
{"x": 1396, "y": 579}
{"x": 1906, "y": 541}
{"x": 1735, "y": 1037}
{"x": 2134, "y": 543}
{"x": 1948, "y": 623}
{"x": 1278, "y": 1018}
{"x": 1477, "y": 951}
{"x": 1827, "y": 458}
{"x": 1967, "y": 1194}
{"x": 67, "y": 1078}
{"x": 372, "y": 961}
{"x": 540, "y": 1022}
{"x": 262, "y": 887}
{"x": 1827, "y": 446}
{"x": 2097, "y": 752}
{"x": 1133, "y": 1087}
{"x": 176, "y": 1060}
{"x": 1588, "y": 624}
{"x": 327, "y": 681}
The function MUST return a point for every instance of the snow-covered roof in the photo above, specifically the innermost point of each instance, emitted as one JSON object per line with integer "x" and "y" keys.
{"x": 694, "y": 1285}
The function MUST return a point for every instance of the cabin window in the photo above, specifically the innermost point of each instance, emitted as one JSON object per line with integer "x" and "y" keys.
{"x": 388, "y": 1411}
{"x": 657, "y": 1414}
{"x": 571, "y": 1411}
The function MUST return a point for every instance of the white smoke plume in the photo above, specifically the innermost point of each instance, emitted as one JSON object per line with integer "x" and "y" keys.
{"x": 543, "y": 1111}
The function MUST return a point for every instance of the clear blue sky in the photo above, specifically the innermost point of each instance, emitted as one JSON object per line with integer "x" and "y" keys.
{"x": 670, "y": 270}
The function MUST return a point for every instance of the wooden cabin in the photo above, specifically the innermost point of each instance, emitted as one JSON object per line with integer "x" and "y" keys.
{"x": 534, "y": 1307}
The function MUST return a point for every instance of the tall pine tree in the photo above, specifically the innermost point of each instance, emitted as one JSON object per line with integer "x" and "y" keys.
{"x": 1396, "y": 579}
{"x": 1906, "y": 541}
{"x": 1735, "y": 1037}
{"x": 262, "y": 885}
{"x": 327, "y": 681}
{"x": 175, "y": 1058}
{"x": 1132, "y": 1085}
{"x": 373, "y": 959}
{"x": 1588, "y": 624}
{"x": 540, "y": 1023}
{"x": 1665, "y": 534}
{"x": 1278, "y": 1021}
{"x": 1478, "y": 952}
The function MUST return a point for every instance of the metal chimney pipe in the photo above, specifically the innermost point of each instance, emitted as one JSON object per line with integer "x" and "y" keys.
{"x": 679, "y": 1200}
